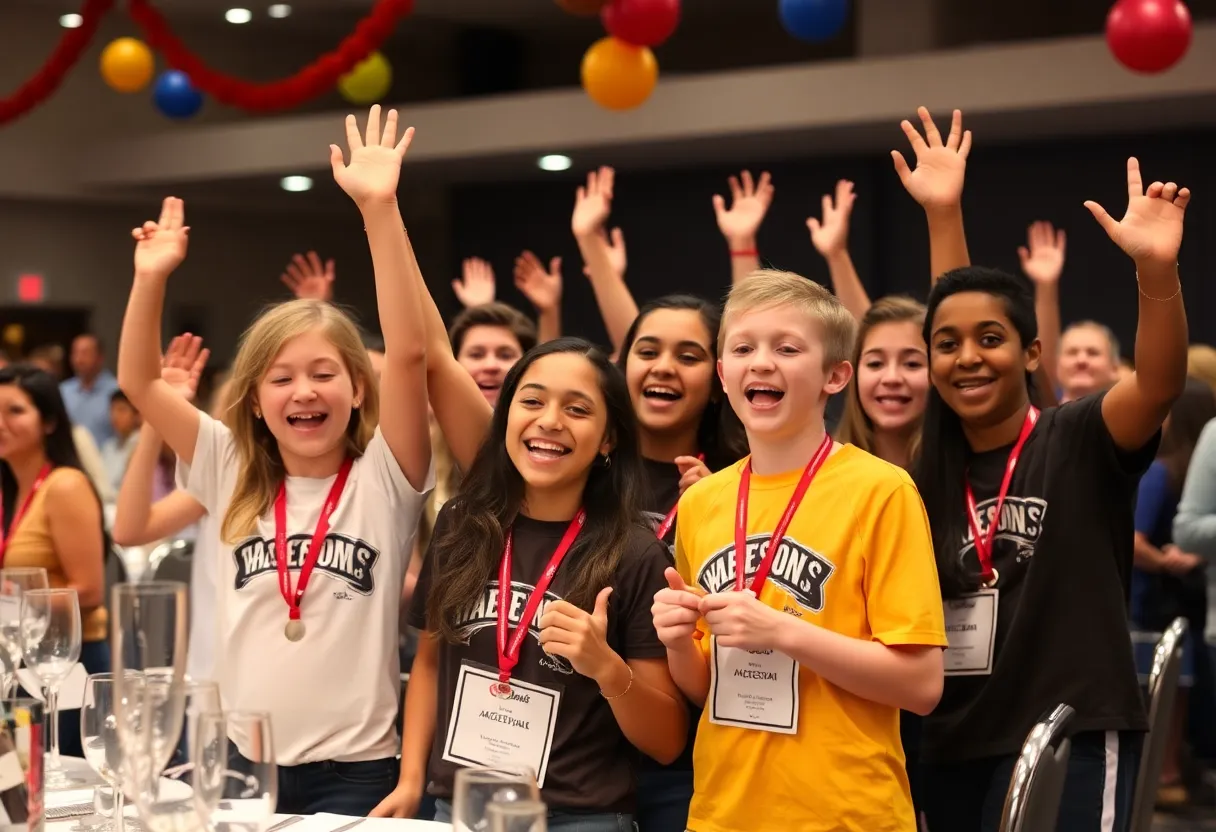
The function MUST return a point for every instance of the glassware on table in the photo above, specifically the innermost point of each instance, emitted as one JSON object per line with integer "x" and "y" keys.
{"x": 13, "y": 582}
{"x": 148, "y": 635}
{"x": 50, "y": 645}
{"x": 517, "y": 816}
{"x": 476, "y": 788}
{"x": 99, "y": 738}
{"x": 236, "y": 781}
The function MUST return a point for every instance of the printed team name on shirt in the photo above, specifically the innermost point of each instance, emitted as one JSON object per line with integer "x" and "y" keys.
{"x": 1021, "y": 524}
{"x": 485, "y": 614}
{"x": 349, "y": 560}
{"x": 797, "y": 569}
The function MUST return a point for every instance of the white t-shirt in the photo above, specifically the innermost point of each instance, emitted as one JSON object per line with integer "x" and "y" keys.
{"x": 200, "y": 657}
{"x": 334, "y": 694}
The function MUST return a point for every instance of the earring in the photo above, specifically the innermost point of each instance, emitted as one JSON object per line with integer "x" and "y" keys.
{"x": 355, "y": 404}
{"x": 607, "y": 461}
{"x": 257, "y": 413}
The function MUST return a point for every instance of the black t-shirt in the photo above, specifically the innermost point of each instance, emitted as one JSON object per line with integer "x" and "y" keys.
{"x": 1063, "y": 551}
{"x": 591, "y": 763}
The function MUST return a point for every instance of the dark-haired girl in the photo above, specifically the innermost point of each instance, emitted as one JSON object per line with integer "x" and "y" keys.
{"x": 1032, "y": 524}
{"x": 549, "y": 512}
{"x": 51, "y": 514}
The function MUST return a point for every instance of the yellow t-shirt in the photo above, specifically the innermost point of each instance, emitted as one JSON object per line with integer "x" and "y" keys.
{"x": 858, "y": 560}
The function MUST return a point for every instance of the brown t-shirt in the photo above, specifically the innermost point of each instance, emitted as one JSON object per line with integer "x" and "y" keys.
{"x": 591, "y": 763}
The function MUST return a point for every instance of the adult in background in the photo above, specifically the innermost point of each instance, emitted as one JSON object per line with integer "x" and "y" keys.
{"x": 87, "y": 394}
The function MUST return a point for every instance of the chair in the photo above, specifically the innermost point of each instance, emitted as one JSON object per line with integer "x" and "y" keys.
{"x": 1162, "y": 691}
{"x": 1032, "y": 803}
{"x": 171, "y": 561}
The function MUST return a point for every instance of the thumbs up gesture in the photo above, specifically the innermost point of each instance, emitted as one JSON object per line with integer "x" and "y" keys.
{"x": 580, "y": 636}
{"x": 676, "y": 610}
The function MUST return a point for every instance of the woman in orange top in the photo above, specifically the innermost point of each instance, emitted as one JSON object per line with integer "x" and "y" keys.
{"x": 51, "y": 514}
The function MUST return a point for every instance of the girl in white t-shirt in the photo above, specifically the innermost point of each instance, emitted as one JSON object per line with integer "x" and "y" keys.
{"x": 311, "y": 496}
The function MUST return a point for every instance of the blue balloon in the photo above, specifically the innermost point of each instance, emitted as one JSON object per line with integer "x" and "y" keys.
{"x": 814, "y": 20}
{"x": 175, "y": 96}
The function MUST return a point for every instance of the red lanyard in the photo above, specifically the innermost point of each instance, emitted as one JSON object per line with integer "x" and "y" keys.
{"x": 774, "y": 542}
{"x": 508, "y": 651}
{"x": 25, "y": 506}
{"x": 670, "y": 519}
{"x": 983, "y": 542}
{"x": 293, "y": 598}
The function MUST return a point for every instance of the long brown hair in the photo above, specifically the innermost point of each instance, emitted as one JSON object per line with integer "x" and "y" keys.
{"x": 1188, "y": 415}
{"x": 856, "y": 427}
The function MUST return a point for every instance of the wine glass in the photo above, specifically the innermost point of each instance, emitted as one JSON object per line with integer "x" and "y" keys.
{"x": 148, "y": 634}
{"x": 476, "y": 788}
{"x": 99, "y": 737}
{"x": 201, "y": 697}
{"x": 235, "y": 791}
{"x": 13, "y": 582}
{"x": 50, "y": 644}
{"x": 517, "y": 816}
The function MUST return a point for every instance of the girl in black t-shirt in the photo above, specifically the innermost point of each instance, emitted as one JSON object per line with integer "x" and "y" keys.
{"x": 558, "y": 470}
{"x": 1059, "y": 558}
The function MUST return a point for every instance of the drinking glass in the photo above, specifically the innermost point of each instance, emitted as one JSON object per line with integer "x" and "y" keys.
{"x": 148, "y": 635}
{"x": 517, "y": 816}
{"x": 99, "y": 738}
{"x": 50, "y": 644}
{"x": 235, "y": 792}
{"x": 201, "y": 697}
{"x": 13, "y": 582}
{"x": 476, "y": 788}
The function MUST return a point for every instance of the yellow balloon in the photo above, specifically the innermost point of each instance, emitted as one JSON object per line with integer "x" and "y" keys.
{"x": 368, "y": 82}
{"x": 127, "y": 65}
{"x": 619, "y": 76}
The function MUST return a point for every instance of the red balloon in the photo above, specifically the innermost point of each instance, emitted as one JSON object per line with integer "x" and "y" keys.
{"x": 641, "y": 22}
{"x": 1148, "y": 35}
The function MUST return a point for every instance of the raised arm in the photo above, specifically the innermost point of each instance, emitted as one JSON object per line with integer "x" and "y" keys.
{"x": 308, "y": 277}
{"x": 1042, "y": 261}
{"x": 370, "y": 179}
{"x": 160, "y": 248}
{"x": 740, "y": 223}
{"x": 1150, "y": 233}
{"x": 592, "y": 205}
{"x": 830, "y": 236}
{"x": 476, "y": 286}
{"x": 543, "y": 288}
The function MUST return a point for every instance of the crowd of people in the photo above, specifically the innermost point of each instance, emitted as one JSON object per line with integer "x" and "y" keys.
{"x": 798, "y": 560}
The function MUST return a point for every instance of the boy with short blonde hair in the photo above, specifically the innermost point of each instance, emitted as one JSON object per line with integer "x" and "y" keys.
{"x": 804, "y": 611}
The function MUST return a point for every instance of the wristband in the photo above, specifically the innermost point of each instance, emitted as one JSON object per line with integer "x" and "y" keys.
{"x": 745, "y": 252}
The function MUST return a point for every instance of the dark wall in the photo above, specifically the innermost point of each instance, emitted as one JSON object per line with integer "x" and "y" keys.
{"x": 674, "y": 244}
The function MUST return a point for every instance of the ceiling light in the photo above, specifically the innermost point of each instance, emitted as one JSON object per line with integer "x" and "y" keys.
{"x": 238, "y": 15}
{"x": 71, "y": 21}
{"x": 296, "y": 184}
{"x": 554, "y": 162}
{"x": 279, "y": 10}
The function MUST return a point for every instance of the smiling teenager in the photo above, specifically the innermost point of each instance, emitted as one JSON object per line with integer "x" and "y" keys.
{"x": 805, "y": 582}
{"x": 1032, "y": 525}
{"x": 314, "y": 482}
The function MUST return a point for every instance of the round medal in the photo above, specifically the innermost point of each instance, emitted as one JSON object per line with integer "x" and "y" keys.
{"x": 294, "y": 629}
{"x": 991, "y": 582}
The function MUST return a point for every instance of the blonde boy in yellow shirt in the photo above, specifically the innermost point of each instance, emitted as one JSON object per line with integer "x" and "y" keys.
{"x": 802, "y": 660}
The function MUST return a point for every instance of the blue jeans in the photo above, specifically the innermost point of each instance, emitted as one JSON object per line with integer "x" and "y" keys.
{"x": 337, "y": 788}
{"x": 969, "y": 796}
{"x": 563, "y": 821}
{"x": 663, "y": 798}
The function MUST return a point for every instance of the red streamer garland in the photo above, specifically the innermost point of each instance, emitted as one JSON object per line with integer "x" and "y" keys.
{"x": 43, "y": 83}
{"x": 313, "y": 80}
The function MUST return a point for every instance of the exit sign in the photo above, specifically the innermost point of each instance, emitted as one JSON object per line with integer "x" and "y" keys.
{"x": 31, "y": 288}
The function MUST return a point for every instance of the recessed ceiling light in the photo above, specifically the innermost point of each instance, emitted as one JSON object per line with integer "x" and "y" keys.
{"x": 296, "y": 184}
{"x": 554, "y": 162}
{"x": 238, "y": 15}
{"x": 71, "y": 21}
{"x": 279, "y": 10}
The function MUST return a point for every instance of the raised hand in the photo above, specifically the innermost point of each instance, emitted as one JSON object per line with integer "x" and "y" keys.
{"x": 1151, "y": 229}
{"x": 676, "y": 610}
{"x": 543, "y": 288}
{"x": 1043, "y": 255}
{"x": 749, "y": 202}
{"x": 476, "y": 286}
{"x": 617, "y": 257}
{"x": 160, "y": 247}
{"x": 941, "y": 167}
{"x": 739, "y": 619}
{"x": 375, "y": 158}
{"x": 593, "y": 203}
{"x": 581, "y": 637}
{"x": 691, "y": 470}
{"x": 182, "y": 364}
{"x": 831, "y": 234}
{"x": 307, "y": 277}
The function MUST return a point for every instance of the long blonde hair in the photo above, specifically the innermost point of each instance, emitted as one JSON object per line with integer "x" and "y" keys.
{"x": 257, "y": 451}
{"x": 855, "y": 426}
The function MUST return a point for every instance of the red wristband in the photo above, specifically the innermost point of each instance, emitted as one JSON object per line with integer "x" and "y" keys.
{"x": 746, "y": 252}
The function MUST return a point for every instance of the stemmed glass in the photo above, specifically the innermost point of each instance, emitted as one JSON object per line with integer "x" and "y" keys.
{"x": 476, "y": 788}
{"x": 13, "y": 582}
{"x": 50, "y": 643}
{"x": 99, "y": 737}
{"x": 235, "y": 791}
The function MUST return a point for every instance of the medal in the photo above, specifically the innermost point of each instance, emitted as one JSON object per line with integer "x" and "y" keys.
{"x": 294, "y": 629}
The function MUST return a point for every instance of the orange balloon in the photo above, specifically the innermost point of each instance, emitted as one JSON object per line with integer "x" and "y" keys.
{"x": 583, "y": 8}
{"x": 618, "y": 76}
{"x": 127, "y": 65}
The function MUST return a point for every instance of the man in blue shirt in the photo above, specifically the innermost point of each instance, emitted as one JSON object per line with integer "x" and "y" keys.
{"x": 87, "y": 394}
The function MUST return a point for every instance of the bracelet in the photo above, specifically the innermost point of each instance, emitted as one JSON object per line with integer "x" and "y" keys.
{"x": 1150, "y": 297}
{"x": 746, "y": 252}
{"x": 628, "y": 687}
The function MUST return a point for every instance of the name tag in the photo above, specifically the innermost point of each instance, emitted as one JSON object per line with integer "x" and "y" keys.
{"x": 488, "y": 729}
{"x": 756, "y": 689}
{"x": 971, "y": 633}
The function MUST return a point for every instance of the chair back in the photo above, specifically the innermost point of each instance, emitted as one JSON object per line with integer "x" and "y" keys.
{"x": 1032, "y": 803}
{"x": 1162, "y": 691}
{"x": 171, "y": 561}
